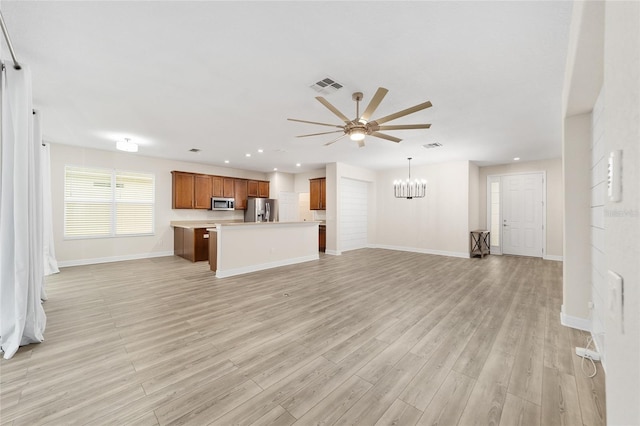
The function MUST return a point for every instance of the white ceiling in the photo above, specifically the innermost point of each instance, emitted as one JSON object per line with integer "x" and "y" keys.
{"x": 224, "y": 77}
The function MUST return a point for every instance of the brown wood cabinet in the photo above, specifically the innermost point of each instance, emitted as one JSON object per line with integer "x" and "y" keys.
{"x": 194, "y": 191}
{"x": 183, "y": 188}
{"x": 240, "y": 194}
{"x": 322, "y": 238}
{"x": 263, "y": 189}
{"x": 213, "y": 251}
{"x": 228, "y": 190}
{"x": 217, "y": 186}
{"x": 258, "y": 188}
{"x": 317, "y": 194}
{"x": 202, "y": 192}
{"x": 191, "y": 244}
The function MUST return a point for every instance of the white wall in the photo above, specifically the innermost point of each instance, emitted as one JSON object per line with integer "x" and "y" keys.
{"x": 474, "y": 198}
{"x": 280, "y": 182}
{"x": 437, "y": 223}
{"x": 111, "y": 249}
{"x": 554, "y": 209}
{"x": 576, "y": 168}
{"x": 598, "y": 260}
{"x": 622, "y": 220}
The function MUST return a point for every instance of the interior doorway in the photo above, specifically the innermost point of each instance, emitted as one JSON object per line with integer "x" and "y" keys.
{"x": 516, "y": 213}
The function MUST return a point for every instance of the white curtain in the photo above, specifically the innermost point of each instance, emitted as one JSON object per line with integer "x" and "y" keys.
{"x": 49, "y": 251}
{"x": 22, "y": 318}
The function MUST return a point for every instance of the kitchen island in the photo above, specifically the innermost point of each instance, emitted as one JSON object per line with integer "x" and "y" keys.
{"x": 240, "y": 248}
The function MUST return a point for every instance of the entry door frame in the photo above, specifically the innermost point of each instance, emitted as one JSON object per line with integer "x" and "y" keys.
{"x": 499, "y": 177}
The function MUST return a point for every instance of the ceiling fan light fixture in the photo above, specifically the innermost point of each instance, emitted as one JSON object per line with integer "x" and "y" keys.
{"x": 357, "y": 134}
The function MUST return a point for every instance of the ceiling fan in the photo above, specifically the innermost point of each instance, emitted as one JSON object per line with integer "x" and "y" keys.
{"x": 360, "y": 126}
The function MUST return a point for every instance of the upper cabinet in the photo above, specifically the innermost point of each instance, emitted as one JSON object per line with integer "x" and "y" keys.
{"x": 263, "y": 189}
{"x": 258, "y": 188}
{"x": 191, "y": 191}
{"x": 217, "y": 186}
{"x": 183, "y": 187}
{"x": 202, "y": 192}
{"x": 240, "y": 194}
{"x": 228, "y": 190}
{"x": 194, "y": 191}
{"x": 317, "y": 194}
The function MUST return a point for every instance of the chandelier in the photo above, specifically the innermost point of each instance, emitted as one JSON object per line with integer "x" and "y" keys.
{"x": 408, "y": 189}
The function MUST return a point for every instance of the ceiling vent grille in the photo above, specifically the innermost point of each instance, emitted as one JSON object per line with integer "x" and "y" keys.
{"x": 432, "y": 145}
{"x": 326, "y": 86}
{"x": 195, "y": 150}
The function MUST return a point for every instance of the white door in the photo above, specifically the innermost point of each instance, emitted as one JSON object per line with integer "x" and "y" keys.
{"x": 353, "y": 214}
{"x": 522, "y": 214}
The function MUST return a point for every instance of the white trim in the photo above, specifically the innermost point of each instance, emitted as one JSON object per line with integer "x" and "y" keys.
{"x": 553, "y": 257}
{"x": 333, "y": 252}
{"x": 80, "y": 262}
{"x": 575, "y": 322}
{"x": 262, "y": 266}
{"x": 464, "y": 255}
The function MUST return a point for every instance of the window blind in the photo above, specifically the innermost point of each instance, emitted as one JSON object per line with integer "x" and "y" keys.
{"x": 107, "y": 203}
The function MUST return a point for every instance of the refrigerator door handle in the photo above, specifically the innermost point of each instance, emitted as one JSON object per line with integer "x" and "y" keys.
{"x": 268, "y": 206}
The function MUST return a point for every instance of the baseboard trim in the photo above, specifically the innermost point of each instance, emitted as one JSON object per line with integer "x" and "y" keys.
{"x": 575, "y": 322}
{"x": 94, "y": 261}
{"x": 333, "y": 252}
{"x": 463, "y": 255}
{"x": 552, "y": 257}
{"x": 260, "y": 267}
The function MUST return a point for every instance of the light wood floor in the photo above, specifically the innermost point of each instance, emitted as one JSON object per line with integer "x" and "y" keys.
{"x": 369, "y": 337}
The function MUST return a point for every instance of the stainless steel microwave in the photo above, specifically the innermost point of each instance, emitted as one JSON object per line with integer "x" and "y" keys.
{"x": 222, "y": 203}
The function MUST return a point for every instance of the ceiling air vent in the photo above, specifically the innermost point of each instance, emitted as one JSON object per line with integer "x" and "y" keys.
{"x": 195, "y": 150}
{"x": 432, "y": 145}
{"x": 326, "y": 86}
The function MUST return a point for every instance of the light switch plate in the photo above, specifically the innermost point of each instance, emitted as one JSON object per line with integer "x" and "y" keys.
{"x": 614, "y": 176}
{"x": 615, "y": 302}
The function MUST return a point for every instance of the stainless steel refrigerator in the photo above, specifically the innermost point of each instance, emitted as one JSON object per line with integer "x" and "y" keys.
{"x": 261, "y": 210}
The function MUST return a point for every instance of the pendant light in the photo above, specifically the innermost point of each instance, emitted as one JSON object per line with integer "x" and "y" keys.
{"x": 408, "y": 189}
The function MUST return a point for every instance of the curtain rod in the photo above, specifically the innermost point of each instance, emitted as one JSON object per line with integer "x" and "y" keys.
{"x": 16, "y": 64}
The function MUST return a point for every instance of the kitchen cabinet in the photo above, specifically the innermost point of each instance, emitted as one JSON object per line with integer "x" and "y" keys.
{"x": 190, "y": 191}
{"x": 258, "y": 188}
{"x": 252, "y": 188}
{"x": 228, "y": 190}
{"x": 263, "y": 189}
{"x": 317, "y": 194}
{"x": 322, "y": 238}
{"x": 202, "y": 192}
{"x": 240, "y": 194}
{"x": 213, "y": 250}
{"x": 191, "y": 243}
{"x": 183, "y": 189}
{"x": 217, "y": 186}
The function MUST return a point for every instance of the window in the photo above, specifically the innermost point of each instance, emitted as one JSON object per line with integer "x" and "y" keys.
{"x": 107, "y": 203}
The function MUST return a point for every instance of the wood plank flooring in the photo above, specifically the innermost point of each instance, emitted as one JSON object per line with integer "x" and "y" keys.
{"x": 371, "y": 337}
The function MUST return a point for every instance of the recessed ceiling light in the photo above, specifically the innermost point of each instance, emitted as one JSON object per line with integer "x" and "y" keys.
{"x": 247, "y": 155}
{"x": 260, "y": 150}
{"x": 297, "y": 164}
{"x": 516, "y": 158}
{"x": 226, "y": 161}
{"x": 275, "y": 169}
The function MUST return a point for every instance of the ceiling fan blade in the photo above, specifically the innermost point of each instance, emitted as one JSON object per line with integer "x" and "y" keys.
{"x": 405, "y": 127}
{"x": 404, "y": 112}
{"x": 316, "y": 134}
{"x": 335, "y": 140}
{"x": 314, "y": 122}
{"x": 333, "y": 109}
{"x": 375, "y": 101}
{"x": 387, "y": 137}
{"x": 361, "y": 143}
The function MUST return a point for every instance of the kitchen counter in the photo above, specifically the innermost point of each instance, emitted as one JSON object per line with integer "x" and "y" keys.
{"x": 198, "y": 224}
{"x": 239, "y": 248}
